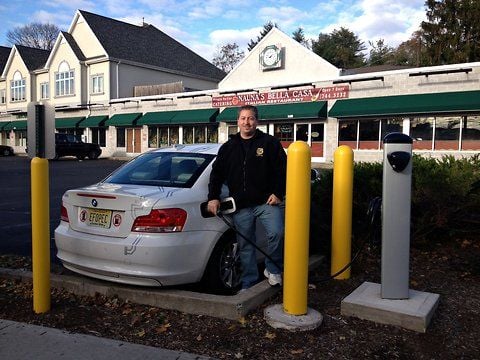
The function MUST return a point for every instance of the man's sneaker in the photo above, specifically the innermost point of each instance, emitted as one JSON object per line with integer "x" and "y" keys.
{"x": 273, "y": 279}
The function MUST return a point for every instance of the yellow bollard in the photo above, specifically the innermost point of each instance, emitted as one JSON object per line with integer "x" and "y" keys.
{"x": 40, "y": 235}
{"x": 342, "y": 211}
{"x": 297, "y": 227}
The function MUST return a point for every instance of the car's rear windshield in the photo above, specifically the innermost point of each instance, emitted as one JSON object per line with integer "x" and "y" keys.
{"x": 162, "y": 169}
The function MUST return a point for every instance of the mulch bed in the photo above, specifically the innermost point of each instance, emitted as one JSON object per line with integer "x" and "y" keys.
{"x": 451, "y": 270}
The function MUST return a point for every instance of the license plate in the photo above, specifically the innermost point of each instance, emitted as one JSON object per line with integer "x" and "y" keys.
{"x": 96, "y": 217}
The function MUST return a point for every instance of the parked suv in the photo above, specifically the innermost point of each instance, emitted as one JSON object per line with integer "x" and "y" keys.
{"x": 70, "y": 145}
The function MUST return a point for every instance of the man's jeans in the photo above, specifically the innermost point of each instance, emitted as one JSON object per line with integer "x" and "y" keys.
{"x": 272, "y": 219}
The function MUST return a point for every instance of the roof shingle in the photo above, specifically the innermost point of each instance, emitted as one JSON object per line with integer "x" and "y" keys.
{"x": 33, "y": 58}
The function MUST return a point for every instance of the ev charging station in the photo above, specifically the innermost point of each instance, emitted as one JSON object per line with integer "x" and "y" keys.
{"x": 392, "y": 302}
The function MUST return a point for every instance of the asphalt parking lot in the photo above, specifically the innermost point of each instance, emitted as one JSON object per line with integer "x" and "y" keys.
{"x": 15, "y": 202}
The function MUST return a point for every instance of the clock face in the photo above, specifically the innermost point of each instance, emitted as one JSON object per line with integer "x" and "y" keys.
{"x": 270, "y": 57}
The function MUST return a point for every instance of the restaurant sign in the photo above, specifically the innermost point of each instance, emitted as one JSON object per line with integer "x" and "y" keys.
{"x": 282, "y": 97}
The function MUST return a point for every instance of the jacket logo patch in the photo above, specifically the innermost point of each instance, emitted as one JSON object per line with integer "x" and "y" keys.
{"x": 259, "y": 151}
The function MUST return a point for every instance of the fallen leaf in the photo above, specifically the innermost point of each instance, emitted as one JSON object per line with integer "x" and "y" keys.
{"x": 242, "y": 321}
{"x": 199, "y": 338}
{"x": 163, "y": 328}
{"x": 270, "y": 335}
{"x": 312, "y": 286}
{"x": 238, "y": 356}
{"x": 141, "y": 333}
{"x": 232, "y": 327}
{"x": 297, "y": 351}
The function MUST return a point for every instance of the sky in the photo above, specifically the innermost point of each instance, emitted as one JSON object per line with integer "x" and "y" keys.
{"x": 205, "y": 25}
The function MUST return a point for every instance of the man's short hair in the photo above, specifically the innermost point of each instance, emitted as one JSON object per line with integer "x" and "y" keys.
{"x": 248, "y": 107}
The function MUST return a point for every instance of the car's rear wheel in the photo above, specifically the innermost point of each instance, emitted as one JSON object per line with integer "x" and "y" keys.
{"x": 92, "y": 155}
{"x": 80, "y": 157}
{"x": 6, "y": 152}
{"x": 223, "y": 271}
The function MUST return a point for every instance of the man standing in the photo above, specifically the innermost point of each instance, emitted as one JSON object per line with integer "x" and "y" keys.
{"x": 253, "y": 165}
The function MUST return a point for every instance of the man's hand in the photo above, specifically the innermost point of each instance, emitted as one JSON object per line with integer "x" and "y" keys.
{"x": 273, "y": 200}
{"x": 213, "y": 206}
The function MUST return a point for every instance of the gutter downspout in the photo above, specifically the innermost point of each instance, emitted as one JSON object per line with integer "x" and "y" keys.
{"x": 118, "y": 82}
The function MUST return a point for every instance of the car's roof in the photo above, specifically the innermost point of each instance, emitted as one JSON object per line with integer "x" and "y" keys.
{"x": 197, "y": 148}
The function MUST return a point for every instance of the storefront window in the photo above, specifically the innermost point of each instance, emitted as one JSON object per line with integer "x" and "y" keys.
{"x": 421, "y": 130}
{"x": 302, "y": 132}
{"x": 471, "y": 132}
{"x": 152, "y": 137}
{"x": 20, "y": 137}
{"x": 163, "y": 136}
{"x": 390, "y": 126}
{"x": 447, "y": 133}
{"x": 369, "y": 134}
{"x": 173, "y": 135}
{"x": 212, "y": 133}
{"x": 232, "y": 130}
{"x": 188, "y": 134}
{"x": 199, "y": 131}
{"x": 347, "y": 133}
{"x": 317, "y": 135}
{"x": 284, "y": 133}
{"x": 120, "y": 137}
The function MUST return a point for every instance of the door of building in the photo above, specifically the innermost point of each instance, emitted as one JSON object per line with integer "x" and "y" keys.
{"x": 134, "y": 137}
{"x": 313, "y": 134}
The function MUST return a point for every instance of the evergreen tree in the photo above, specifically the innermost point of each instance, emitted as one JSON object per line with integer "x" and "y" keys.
{"x": 380, "y": 53}
{"x": 341, "y": 48}
{"x": 299, "y": 36}
{"x": 266, "y": 28}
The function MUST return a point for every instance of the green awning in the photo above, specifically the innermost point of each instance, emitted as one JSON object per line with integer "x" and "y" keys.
{"x": 302, "y": 110}
{"x": 195, "y": 116}
{"x": 93, "y": 121}
{"x": 154, "y": 118}
{"x": 407, "y": 104}
{"x": 16, "y": 125}
{"x": 228, "y": 115}
{"x": 3, "y": 125}
{"x": 67, "y": 123}
{"x": 123, "y": 119}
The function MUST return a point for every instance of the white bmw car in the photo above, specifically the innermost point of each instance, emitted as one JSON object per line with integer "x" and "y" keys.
{"x": 143, "y": 224}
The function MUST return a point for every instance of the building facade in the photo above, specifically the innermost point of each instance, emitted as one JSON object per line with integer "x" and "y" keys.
{"x": 300, "y": 96}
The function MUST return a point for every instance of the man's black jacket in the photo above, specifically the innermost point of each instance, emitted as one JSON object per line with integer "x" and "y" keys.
{"x": 253, "y": 176}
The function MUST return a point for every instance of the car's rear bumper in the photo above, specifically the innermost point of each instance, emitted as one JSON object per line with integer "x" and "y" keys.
{"x": 139, "y": 259}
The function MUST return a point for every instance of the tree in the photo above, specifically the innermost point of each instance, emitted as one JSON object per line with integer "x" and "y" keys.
{"x": 36, "y": 35}
{"x": 342, "y": 48}
{"x": 266, "y": 28}
{"x": 411, "y": 52}
{"x": 452, "y": 31}
{"x": 380, "y": 53}
{"x": 299, "y": 35}
{"x": 227, "y": 57}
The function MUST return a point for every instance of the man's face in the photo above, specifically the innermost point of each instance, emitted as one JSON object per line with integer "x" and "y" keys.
{"x": 247, "y": 122}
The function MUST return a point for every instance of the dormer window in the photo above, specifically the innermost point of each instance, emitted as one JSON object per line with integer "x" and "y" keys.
{"x": 17, "y": 87}
{"x": 64, "y": 80}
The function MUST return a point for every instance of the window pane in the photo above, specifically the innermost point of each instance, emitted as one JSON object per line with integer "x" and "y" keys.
{"x": 471, "y": 133}
{"x": 212, "y": 133}
{"x": 102, "y": 133}
{"x": 284, "y": 133}
{"x": 173, "y": 135}
{"x": 390, "y": 126}
{"x": 120, "y": 137}
{"x": 163, "y": 136}
{"x": 188, "y": 134}
{"x": 447, "y": 133}
{"x": 347, "y": 133}
{"x": 152, "y": 137}
{"x": 302, "y": 132}
{"x": 200, "y": 134}
{"x": 421, "y": 130}
{"x": 317, "y": 139}
{"x": 95, "y": 135}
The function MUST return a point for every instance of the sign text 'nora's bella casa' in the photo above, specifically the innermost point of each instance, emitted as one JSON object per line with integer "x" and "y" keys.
{"x": 282, "y": 97}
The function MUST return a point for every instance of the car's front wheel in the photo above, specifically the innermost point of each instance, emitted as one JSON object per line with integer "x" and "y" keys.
{"x": 92, "y": 155}
{"x": 7, "y": 152}
{"x": 223, "y": 271}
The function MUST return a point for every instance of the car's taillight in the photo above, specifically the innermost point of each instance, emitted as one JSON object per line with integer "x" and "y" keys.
{"x": 64, "y": 214}
{"x": 161, "y": 220}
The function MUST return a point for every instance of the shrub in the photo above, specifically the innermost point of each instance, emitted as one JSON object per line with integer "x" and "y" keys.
{"x": 445, "y": 201}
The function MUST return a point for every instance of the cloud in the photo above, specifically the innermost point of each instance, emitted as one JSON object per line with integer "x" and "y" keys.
{"x": 61, "y": 19}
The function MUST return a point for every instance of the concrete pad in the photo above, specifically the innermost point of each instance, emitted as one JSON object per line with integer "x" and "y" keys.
{"x": 277, "y": 318}
{"x": 414, "y": 313}
{"x": 226, "y": 307}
